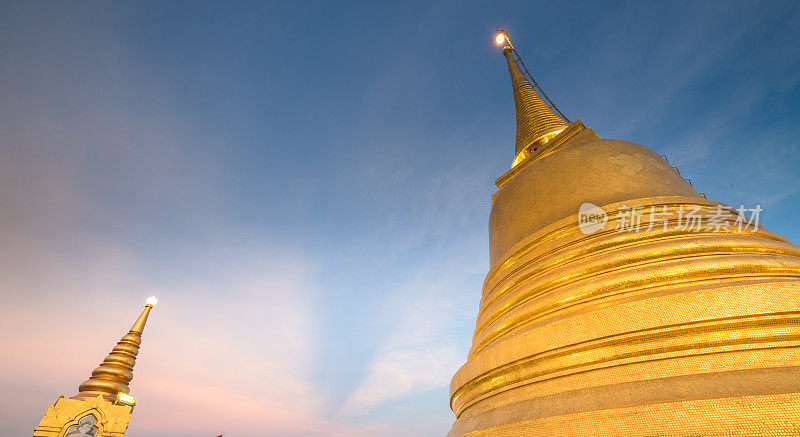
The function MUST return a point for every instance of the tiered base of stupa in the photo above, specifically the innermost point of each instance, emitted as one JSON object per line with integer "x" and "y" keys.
{"x": 656, "y": 331}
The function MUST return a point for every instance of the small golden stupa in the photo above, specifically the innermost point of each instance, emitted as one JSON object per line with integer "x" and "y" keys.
{"x": 622, "y": 302}
{"x": 103, "y": 405}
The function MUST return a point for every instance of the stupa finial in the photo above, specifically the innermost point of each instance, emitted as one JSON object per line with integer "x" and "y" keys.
{"x": 537, "y": 122}
{"x": 116, "y": 371}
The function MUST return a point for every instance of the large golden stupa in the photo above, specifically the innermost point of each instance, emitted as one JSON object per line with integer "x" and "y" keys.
{"x": 622, "y": 302}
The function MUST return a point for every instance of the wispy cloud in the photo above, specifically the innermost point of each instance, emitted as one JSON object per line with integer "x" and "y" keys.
{"x": 422, "y": 351}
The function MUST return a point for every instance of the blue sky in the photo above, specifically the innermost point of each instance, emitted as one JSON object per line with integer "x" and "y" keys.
{"x": 305, "y": 186}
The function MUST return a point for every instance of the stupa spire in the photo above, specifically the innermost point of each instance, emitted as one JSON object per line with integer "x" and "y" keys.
{"x": 536, "y": 121}
{"x": 114, "y": 374}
